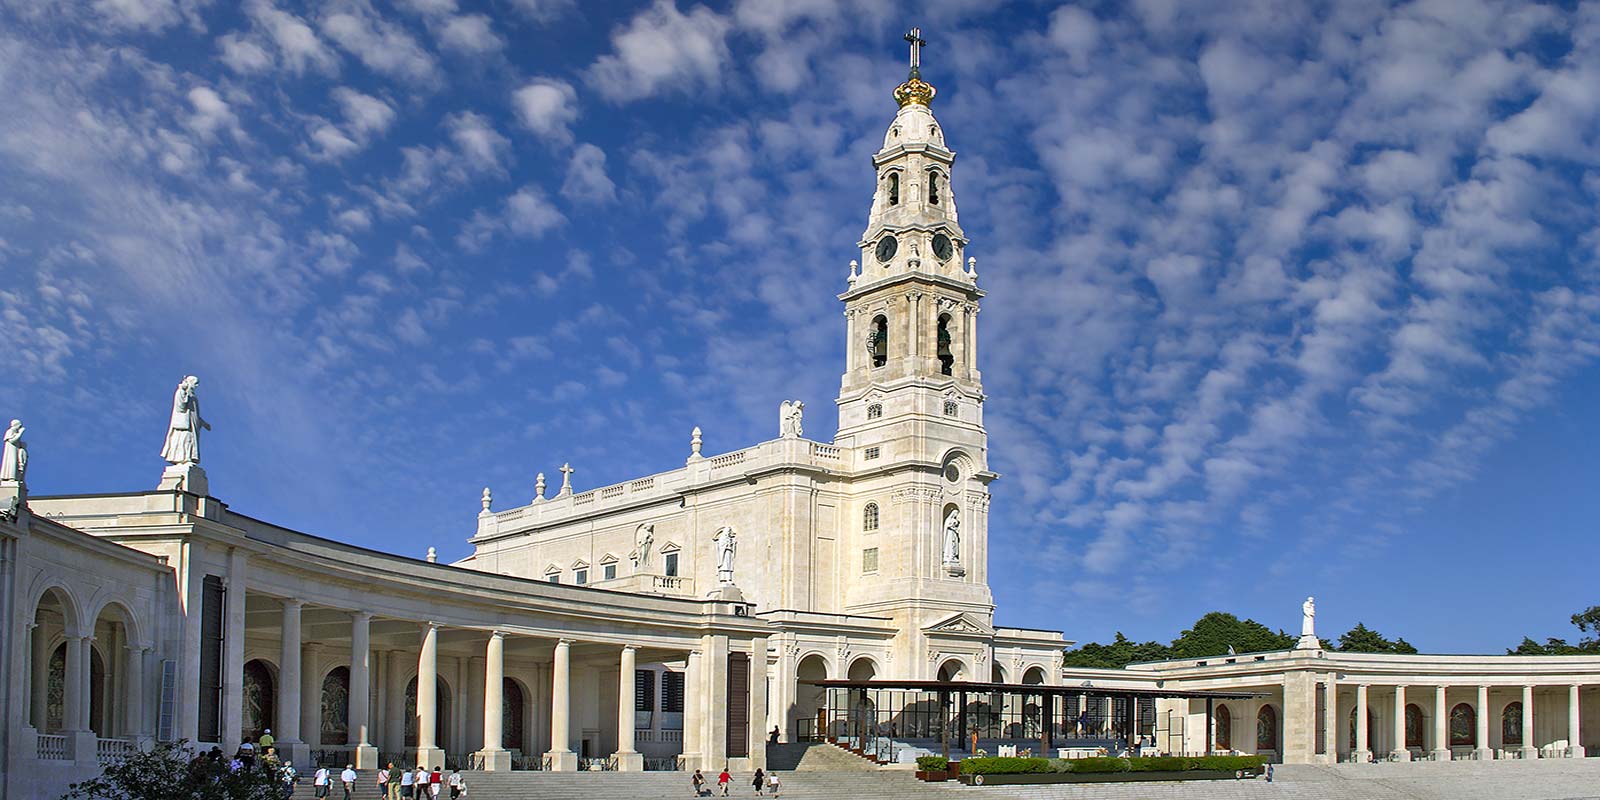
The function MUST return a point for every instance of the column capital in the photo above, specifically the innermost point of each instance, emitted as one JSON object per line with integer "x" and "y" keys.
{"x": 1483, "y": 687}
{"x": 292, "y": 602}
{"x": 136, "y": 648}
{"x": 311, "y": 647}
{"x": 361, "y": 615}
{"x": 1576, "y": 686}
{"x": 632, "y": 647}
{"x": 498, "y": 634}
{"x": 563, "y": 642}
{"x": 430, "y": 626}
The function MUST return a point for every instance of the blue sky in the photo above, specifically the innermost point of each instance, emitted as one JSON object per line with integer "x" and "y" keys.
{"x": 1285, "y": 298}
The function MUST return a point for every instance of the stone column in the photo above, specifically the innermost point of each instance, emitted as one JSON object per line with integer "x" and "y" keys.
{"x": 394, "y": 715}
{"x": 39, "y": 678}
{"x": 628, "y": 760}
{"x": 233, "y": 652}
{"x": 360, "y": 713}
{"x": 428, "y": 752}
{"x": 1441, "y": 726}
{"x": 758, "y": 703}
{"x": 1529, "y": 749}
{"x": 694, "y": 715}
{"x": 1330, "y": 718}
{"x": 561, "y": 757}
{"x": 74, "y": 702}
{"x": 287, "y": 727}
{"x": 1400, "y": 753}
{"x": 494, "y": 755}
{"x": 1299, "y": 722}
{"x": 133, "y": 710}
{"x": 714, "y": 701}
{"x": 477, "y": 683}
{"x": 851, "y": 342}
{"x": 1574, "y": 726}
{"x": 912, "y": 315}
{"x": 1362, "y": 750}
{"x": 310, "y": 699}
{"x": 1482, "y": 747}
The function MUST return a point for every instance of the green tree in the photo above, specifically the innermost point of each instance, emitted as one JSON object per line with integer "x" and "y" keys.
{"x": 1362, "y": 639}
{"x": 169, "y": 772}
{"x": 1587, "y": 621}
{"x": 1214, "y": 633}
{"x": 1121, "y": 652}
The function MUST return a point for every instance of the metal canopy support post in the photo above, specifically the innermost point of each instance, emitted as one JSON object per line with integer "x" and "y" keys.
{"x": 944, "y": 722}
{"x": 1208, "y": 727}
{"x": 961, "y": 717}
{"x": 1046, "y": 718}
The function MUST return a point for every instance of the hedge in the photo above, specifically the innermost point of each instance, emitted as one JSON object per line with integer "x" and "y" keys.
{"x": 1102, "y": 764}
{"x": 933, "y": 763}
{"x": 1004, "y": 766}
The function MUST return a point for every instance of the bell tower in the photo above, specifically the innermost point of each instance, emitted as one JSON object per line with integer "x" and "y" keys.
{"x": 911, "y": 397}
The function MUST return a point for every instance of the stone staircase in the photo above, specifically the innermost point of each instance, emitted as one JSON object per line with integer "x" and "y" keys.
{"x": 807, "y": 784}
{"x": 815, "y": 757}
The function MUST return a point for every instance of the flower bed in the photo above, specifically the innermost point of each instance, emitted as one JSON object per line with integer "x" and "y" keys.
{"x": 1003, "y": 771}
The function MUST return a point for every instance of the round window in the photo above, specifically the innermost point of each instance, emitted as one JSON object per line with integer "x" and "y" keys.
{"x": 952, "y": 473}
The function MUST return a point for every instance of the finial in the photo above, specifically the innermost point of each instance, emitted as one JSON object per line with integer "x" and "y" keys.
{"x": 433, "y": 556}
{"x": 915, "y": 90}
{"x": 566, "y": 478}
{"x": 916, "y": 40}
{"x": 538, "y": 488}
{"x": 694, "y": 444}
{"x": 972, "y": 267}
{"x": 487, "y": 499}
{"x": 855, "y": 271}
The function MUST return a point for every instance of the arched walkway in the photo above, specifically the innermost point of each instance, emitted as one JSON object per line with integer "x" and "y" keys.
{"x": 1221, "y": 728}
{"x": 952, "y": 670}
{"x": 1267, "y": 730}
{"x": 514, "y": 706}
{"x": 1034, "y": 676}
{"x": 810, "y": 702}
{"x": 442, "y": 717}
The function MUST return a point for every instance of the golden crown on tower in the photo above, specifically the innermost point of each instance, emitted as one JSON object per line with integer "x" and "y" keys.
{"x": 915, "y": 89}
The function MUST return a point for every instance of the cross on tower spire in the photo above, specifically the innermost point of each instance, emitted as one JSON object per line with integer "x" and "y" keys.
{"x": 916, "y": 40}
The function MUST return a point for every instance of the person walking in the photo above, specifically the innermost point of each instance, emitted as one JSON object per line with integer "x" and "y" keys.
{"x": 406, "y": 783}
{"x": 319, "y": 782}
{"x": 435, "y": 783}
{"x": 760, "y": 782}
{"x": 420, "y": 790}
{"x": 457, "y": 784}
{"x": 383, "y": 780}
{"x": 289, "y": 777}
{"x": 348, "y": 778}
{"x": 723, "y": 780}
{"x": 699, "y": 784}
{"x": 266, "y": 740}
{"x": 773, "y": 783}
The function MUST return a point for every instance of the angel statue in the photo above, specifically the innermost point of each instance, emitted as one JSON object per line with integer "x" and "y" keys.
{"x": 789, "y": 419}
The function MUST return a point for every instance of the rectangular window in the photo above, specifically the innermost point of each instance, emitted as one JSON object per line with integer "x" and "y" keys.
{"x": 738, "y": 708}
{"x": 869, "y": 560}
{"x": 580, "y": 577}
{"x": 672, "y": 565}
{"x": 554, "y": 577}
{"x": 610, "y": 572}
{"x": 872, "y": 452}
{"x": 672, "y": 692}
{"x": 212, "y": 600}
{"x": 644, "y": 690}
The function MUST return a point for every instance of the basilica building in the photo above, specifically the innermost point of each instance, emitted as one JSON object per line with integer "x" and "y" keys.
{"x": 828, "y": 589}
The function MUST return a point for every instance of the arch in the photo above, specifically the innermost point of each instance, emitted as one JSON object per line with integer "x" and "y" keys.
{"x": 1463, "y": 726}
{"x": 335, "y": 700}
{"x": 1034, "y": 676}
{"x": 63, "y": 601}
{"x": 1267, "y": 729}
{"x": 997, "y": 673}
{"x": 869, "y": 517}
{"x": 1372, "y": 728}
{"x": 1414, "y": 725}
{"x": 878, "y": 340}
{"x": 947, "y": 358}
{"x": 810, "y": 701}
{"x": 260, "y": 698}
{"x": 1511, "y": 723}
{"x": 933, "y": 187}
{"x": 1221, "y": 728}
{"x": 441, "y": 708}
{"x": 122, "y": 612}
{"x": 863, "y": 668}
{"x": 893, "y": 180}
{"x": 953, "y": 669}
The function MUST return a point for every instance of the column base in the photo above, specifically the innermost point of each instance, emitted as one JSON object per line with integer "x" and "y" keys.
{"x": 296, "y": 753}
{"x": 1576, "y": 751}
{"x": 365, "y": 756}
{"x": 1529, "y": 752}
{"x": 1400, "y": 755}
{"x": 1441, "y": 755}
{"x": 430, "y": 757}
{"x": 629, "y": 762}
{"x": 497, "y": 760}
{"x": 562, "y": 760}
{"x": 691, "y": 762}
{"x": 83, "y": 745}
{"x": 1484, "y": 754}
{"x": 1361, "y": 756}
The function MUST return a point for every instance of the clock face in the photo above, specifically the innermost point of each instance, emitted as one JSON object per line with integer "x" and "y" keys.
{"x": 887, "y": 247}
{"x": 942, "y": 247}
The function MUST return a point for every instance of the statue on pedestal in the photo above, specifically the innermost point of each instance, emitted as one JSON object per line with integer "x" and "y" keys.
{"x": 14, "y": 462}
{"x": 789, "y": 417}
{"x": 727, "y": 546}
{"x": 1308, "y": 621}
{"x": 952, "y": 540}
{"x": 643, "y": 538}
{"x": 183, "y": 429}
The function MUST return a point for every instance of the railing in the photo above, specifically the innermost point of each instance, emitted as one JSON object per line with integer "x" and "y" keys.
{"x": 642, "y": 484}
{"x": 824, "y": 450}
{"x": 397, "y": 759}
{"x": 728, "y": 460}
{"x": 52, "y": 747}
{"x": 546, "y": 763}
{"x": 608, "y": 764}
{"x": 672, "y": 736}
{"x": 108, "y": 750}
{"x": 583, "y": 499}
{"x": 454, "y": 762}
{"x": 331, "y": 757}
{"x": 529, "y": 763}
{"x": 666, "y": 764}
{"x": 612, "y": 491}
{"x": 672, "y": 582}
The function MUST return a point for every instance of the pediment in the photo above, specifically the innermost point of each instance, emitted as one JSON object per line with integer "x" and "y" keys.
{"x": 960, "y": 625}
{"x": 579, "y": 564}
{"x": 608, "y": 558}
{"x": 670, "y": 547}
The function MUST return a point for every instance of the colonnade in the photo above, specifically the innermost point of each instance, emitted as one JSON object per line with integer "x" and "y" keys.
{"x": 1436, "y": 743}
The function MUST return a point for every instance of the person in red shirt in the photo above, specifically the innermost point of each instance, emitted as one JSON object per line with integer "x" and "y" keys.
{"x": 723, "y": 780}
{"x": 435, "y": 782}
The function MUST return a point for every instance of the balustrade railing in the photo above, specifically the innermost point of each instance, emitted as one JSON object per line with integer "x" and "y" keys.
{"x": 664, "y": 764}
{"x": 107, "y": 750}
{"x": 53, "y": 747}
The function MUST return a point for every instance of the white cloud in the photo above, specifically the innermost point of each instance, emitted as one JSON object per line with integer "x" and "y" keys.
{"x": 586, "y": 180}
{"x": 384, "y": 46}
{"x": 662, "y": 49}
{"x": 530, "y": 214}
{"x": 244, "y": 54}
{"x": 363, "y": 113}
{"x": 211, "y": 113}
{"x": 471, "y": 34}
{"x": 541, "y": 11}
{"x": 298, "y": 45}
{"x": 548, "y": 107}
{"x": 478, "y": 141}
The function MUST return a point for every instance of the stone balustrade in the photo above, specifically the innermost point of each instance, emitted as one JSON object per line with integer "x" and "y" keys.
{"x": 53, "y": 747}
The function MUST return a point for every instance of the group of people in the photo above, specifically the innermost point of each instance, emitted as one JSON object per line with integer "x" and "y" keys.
{"x": 763, "y": 782}
{"x": 397, "y": 783}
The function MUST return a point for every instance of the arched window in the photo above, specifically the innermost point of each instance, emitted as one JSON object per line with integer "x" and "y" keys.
{"x": 1511, "y": 724}
{"x": 1267, "y": 729}
{"x": 933, "y": 187}
{"x": 947, "y": 359}
{"x": 950, "y": 407}
{"x": 869, "y": 517}
{"x": 874, "y": 411}
{"x": 878, "y": 340}
{"x": 1463, "y": 726}
{"x": 259, "y": 697}
{"x": 1414, "y": 726}
{"x": 894, "y": 188}
{"x": 1222, "y": 722}
{"x": 336, "y": 705}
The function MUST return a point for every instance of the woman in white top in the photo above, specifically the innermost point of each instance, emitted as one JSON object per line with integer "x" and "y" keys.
{"x": 319, "y": 782}
{"x": 406, "y": 780}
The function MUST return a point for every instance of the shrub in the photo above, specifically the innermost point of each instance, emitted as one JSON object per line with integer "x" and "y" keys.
{"x": 1100, "y": 764}
{"x": 1004, "y": 766}
{"x": 1226, "y": 763}
{"x": 168, "y": 772}
{"x": 933, "y": 763}
{"x": 1159, "y": 764}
